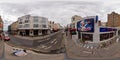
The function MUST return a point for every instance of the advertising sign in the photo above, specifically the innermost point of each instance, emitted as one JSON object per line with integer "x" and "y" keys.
{"x": 102, "y": 29}
{"x": 86, "y": 25}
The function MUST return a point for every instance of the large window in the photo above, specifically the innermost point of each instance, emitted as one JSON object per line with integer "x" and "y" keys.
{"x": 20, "y": 26}
{"x": 27, "y": 17}
{"x": 87, "y": 37}
{"x": 26, "y": 25}
{"x": 44, "y": 26}
{"x": 106, "y": 36}
{"x": 43, "y": 20}
{"x": 36, "y": 19}
{"x": 36, "y": 25}
{"x": 26, "y": 21}
{"x": 20, "y": 22}
{"x": 20, "y": 19}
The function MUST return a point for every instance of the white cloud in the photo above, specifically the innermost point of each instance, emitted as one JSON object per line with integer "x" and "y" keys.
{"x": 58, "y": 11}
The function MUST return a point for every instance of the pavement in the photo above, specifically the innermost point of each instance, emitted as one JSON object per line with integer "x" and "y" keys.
{"x": 36, "y": 37}
{"x": 77, "y": 52}
{"x": 31, "y": 55}
{"x": 2, "y": 50}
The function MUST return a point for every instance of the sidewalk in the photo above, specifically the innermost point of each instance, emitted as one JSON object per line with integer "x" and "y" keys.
{"x": 35, "y": 38}
{"x": 75, "y": 51}
{"x": 31, "y": 55}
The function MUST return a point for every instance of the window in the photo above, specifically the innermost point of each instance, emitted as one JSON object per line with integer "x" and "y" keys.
{"x": 87, "y": 37}
{"x": 26, "y": 21}
{"x": 44, "y": 20}
{"x": 20, "y": 19}
{"x": 20, "y": 22}
{"x": 106, "y": 36}
{"x": 44, "y": 26}
{"x": 36, "y": 25}
{"x": 27, "y": 17}
{"x": 26, "y": 25}
{"x": 20, "y": 26}
{"x": 36, "y": 19}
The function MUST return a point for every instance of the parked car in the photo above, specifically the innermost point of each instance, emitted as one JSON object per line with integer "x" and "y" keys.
{"x": 6, "y": 37}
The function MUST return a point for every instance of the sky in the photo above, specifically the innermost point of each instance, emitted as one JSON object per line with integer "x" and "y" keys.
{"x": 56, "y": 10}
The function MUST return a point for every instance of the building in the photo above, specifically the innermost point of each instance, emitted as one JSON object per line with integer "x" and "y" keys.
{"x": 113, "y": 20}
{"x": 54, "y": 26}
{"x": 99, "y": 23}
{"x": 57, "y": 27}
{"x": 9, "y": 29}
{"x": 74, "y": 20}
{"x": 50, "y": 25}
{"x": 1, "y": 25}
{"x": 13, "y": 28}
{"x": 32, "y": 25}
{"x": 104, "y": 24}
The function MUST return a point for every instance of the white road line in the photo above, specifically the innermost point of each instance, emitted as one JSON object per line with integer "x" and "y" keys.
{"x": 48, "y": 47}
{"x": 44, "y": 40}
{"x": 43, "y": 46}
{"x": 87, "y": 52}
{"x": 53, "y": 41}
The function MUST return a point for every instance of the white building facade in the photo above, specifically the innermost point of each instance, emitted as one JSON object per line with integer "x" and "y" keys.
{"x": 32, "y": 25}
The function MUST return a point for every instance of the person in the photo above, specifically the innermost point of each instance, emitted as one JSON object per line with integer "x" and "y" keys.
{"x": 20, "y": 52}
{"x": 82, "y": 26}
{"x": 88, "y": 26}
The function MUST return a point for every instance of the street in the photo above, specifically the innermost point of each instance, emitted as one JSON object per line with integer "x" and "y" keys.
{"x": 30, "y": 55}
{"x": 51, "y": 43}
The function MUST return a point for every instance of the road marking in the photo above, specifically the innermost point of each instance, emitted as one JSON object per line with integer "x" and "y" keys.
{"x": 43, "y": 46}
{"x": 44, "y": 40}
{"x": 87, "y": 52}
{"x": 53, "y": 41}
{"x": 48, "y": 47}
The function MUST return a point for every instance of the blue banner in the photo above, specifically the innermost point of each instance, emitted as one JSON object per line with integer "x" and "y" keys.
{"x": 107, "y": 29}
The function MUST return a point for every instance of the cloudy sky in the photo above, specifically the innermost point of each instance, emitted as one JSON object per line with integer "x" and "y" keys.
{"x": 56, "y": 10}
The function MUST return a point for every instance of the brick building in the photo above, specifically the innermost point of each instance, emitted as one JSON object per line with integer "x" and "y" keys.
{"x": 113, "y": 20}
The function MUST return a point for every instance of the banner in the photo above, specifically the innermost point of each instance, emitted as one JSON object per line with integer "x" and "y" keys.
{"x": 86, "y": 25}
{"x": 102, "y": 29}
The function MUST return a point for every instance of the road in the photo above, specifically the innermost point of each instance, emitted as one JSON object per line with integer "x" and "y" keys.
{"x": 54, "y": 43}
{"x": 7, "y": 50}
{"x": 51, "y": 43}
{"x": 30, "y": 55}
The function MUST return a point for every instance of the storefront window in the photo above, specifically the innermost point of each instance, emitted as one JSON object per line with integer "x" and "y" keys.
{"x": 87, "y": 37}
{"x": 106, "y": 36}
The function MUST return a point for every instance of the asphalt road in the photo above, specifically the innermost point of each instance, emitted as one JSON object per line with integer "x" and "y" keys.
{"x": 54, "y": 43}
{"x": 51, "y": 43}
